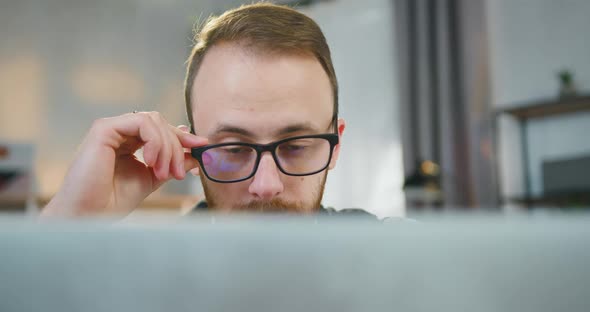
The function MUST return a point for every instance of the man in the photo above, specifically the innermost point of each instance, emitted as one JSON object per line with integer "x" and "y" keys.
{"x": 262, "y": 102}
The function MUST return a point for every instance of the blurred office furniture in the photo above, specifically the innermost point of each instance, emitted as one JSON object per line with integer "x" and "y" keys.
{"x": 561, "y": 180}
{"x": 422, "y": 187}
{"x": 565, "y": 175}
{"x": 17, "y": 177}
{"x": 566, "y": 182}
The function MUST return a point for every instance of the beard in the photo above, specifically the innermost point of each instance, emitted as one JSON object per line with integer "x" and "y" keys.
{"x": 276, "y": 205}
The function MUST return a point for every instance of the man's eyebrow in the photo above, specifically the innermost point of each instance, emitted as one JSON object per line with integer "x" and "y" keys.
{"x": 232, "y": 129}
{"x": 297, "y": 127}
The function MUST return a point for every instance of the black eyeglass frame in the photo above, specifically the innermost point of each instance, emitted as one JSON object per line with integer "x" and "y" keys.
{"x": 332, "y": 138}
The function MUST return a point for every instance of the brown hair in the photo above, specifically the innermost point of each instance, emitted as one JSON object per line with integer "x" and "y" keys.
{"x": 264, "y": 28}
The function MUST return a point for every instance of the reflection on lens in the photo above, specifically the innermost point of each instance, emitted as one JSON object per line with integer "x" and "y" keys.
{"x": 207, "y": 159}
{"x": 302, "y": 156}
{"x": 227, "y": 163}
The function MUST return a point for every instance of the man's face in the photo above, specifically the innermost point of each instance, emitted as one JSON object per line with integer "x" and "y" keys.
{"x": 242, "y": 96}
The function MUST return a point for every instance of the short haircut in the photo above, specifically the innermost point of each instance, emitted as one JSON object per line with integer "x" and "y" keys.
{"x": 264, "y": 28}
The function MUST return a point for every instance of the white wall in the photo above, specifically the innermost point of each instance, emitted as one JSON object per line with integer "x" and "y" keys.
{"x": 531, "y": 40}
{"x": 369, "y": 173}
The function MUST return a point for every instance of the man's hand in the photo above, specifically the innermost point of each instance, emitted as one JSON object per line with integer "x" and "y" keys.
{"x": 107, "y": 179}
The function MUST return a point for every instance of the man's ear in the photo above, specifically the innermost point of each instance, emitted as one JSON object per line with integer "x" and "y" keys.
{"x": 336, "y": 152}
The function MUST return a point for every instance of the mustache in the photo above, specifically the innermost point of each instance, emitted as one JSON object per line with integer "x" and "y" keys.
{"x": 273, "y": 206}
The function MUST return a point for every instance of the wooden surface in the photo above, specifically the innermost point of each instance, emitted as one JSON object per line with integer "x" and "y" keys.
{"x": 180, "y": 203}
{"x": 549, "y": 107}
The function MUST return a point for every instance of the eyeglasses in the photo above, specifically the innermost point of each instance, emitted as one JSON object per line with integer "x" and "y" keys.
{"x": 295, "y": 156}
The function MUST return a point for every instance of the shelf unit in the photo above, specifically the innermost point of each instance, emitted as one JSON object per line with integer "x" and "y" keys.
{"x": 524, "y": 112}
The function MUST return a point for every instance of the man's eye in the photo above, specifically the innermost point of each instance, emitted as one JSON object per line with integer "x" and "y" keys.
{"x": 236, "y": 150}
{"x": 293, "y": 148}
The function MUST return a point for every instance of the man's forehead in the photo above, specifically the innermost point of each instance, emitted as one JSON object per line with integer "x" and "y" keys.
{"x": 261, "y": 127}
{"x": 241, "y": 90}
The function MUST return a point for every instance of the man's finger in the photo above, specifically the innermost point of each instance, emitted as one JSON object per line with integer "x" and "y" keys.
{"x": 162, "y": 167}
{"x": 177, "y": 162}
{"x": 190, "y": 162}
{"x": 114, "y": 131}
{"x": 189, "y": 140}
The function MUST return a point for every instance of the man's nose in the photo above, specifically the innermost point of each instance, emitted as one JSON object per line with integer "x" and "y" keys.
{"x": 267, "y": 181}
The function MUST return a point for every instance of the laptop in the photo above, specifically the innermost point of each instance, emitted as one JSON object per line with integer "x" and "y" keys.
{"x": 274, "y": 263}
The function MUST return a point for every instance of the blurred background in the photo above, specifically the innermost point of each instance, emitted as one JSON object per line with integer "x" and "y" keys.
{"x": 462, "y": 105}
